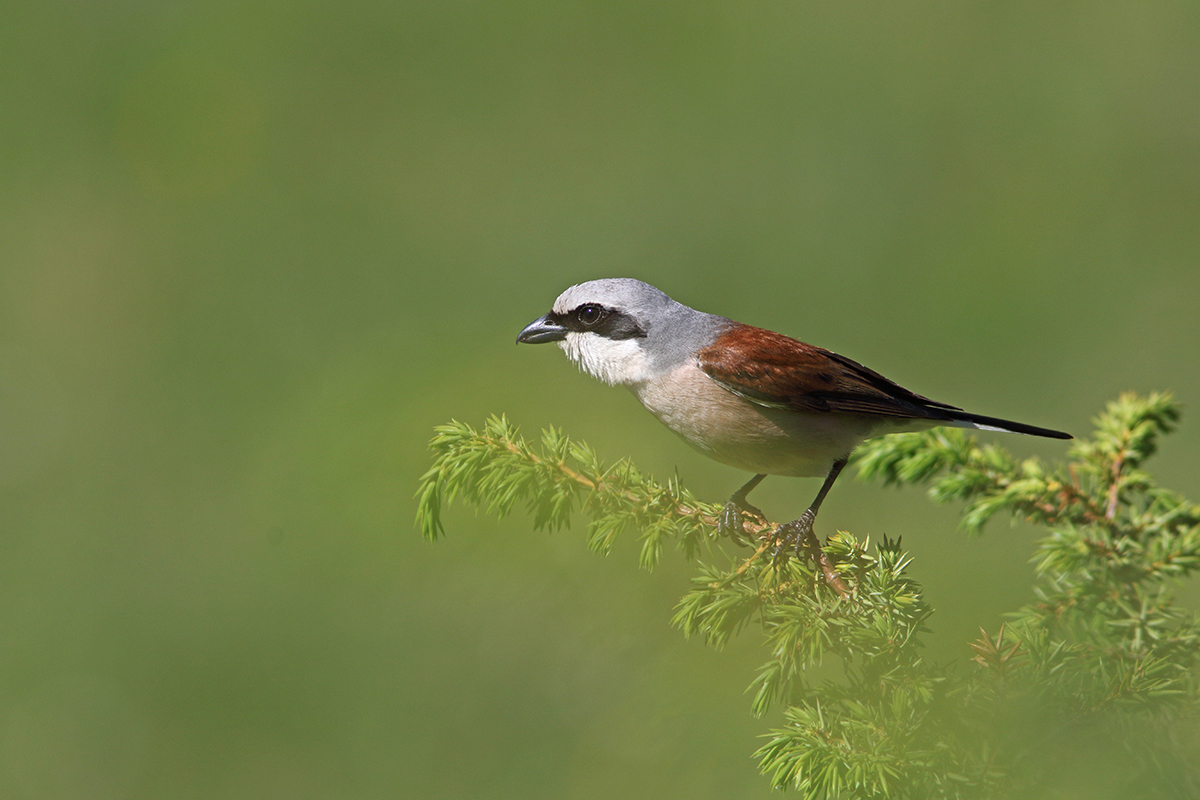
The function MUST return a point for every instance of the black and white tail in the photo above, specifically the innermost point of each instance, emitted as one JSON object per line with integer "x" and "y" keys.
{"x": 965, "y": 419}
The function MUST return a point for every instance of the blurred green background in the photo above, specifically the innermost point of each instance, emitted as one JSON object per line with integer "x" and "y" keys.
{"x": 251, "y": 252}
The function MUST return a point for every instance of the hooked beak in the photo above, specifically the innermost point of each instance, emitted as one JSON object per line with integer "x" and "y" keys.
{"x": 542, "y": 330}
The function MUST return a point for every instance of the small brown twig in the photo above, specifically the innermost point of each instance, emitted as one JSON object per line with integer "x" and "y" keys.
{"x": 1115, "y": 488}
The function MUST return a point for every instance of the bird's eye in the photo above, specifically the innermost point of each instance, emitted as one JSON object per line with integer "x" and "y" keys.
{"x": 590, "y": 315}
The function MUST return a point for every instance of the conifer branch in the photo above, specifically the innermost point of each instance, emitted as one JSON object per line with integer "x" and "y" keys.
{"x": 495, "y": 469}
{"x": 1104, "y": 645}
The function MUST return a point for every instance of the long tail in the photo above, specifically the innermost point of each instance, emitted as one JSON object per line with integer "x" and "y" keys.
{"x": 965, "y": 419}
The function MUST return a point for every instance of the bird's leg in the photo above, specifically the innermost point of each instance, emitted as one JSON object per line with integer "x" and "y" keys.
{"x": 729, "y": 523}
{"x": 799, "y": 533}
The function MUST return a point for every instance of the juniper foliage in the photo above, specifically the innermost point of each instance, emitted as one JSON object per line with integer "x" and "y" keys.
{"x": 1090, "y": 690}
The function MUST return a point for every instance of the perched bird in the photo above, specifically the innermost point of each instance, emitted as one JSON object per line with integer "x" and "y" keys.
{"x": 745, "y": 396}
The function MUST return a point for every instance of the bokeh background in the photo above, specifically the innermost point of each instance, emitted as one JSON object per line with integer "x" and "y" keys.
{"x": 252, "y": 252}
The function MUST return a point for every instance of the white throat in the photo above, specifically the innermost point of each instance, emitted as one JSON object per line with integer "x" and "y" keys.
{"x": 614, "y": 361}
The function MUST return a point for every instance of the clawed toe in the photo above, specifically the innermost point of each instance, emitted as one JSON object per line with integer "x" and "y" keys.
{"x": 798, "y": 536}
{"x": 795, "y": 535}
{"x": 729, "y": 521}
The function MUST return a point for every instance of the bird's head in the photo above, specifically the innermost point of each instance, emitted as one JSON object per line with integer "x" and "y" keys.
{"x": 620, "y": 330}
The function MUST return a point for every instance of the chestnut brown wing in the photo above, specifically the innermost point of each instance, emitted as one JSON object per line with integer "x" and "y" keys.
{"x": 777, "y": 371}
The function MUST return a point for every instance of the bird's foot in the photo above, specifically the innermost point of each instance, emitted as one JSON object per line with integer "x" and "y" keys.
{"x": 798, "y": 537}
{"x": 730, "y": 522}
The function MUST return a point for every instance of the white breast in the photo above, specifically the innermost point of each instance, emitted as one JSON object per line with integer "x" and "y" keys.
{"x": 614, "y": 361}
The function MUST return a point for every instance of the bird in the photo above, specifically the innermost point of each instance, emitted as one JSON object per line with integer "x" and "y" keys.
{"x": 744, "y": 396}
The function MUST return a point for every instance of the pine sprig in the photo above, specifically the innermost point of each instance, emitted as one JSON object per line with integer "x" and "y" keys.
{"x": 496, "y": 469}
{"x": 1104, "y": 648}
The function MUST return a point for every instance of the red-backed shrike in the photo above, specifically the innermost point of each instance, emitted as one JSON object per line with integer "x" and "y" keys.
{"x": 745, "y": 396}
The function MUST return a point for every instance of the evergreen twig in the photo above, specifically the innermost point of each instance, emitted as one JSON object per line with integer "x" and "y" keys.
{"x": 1102, "y": 664}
